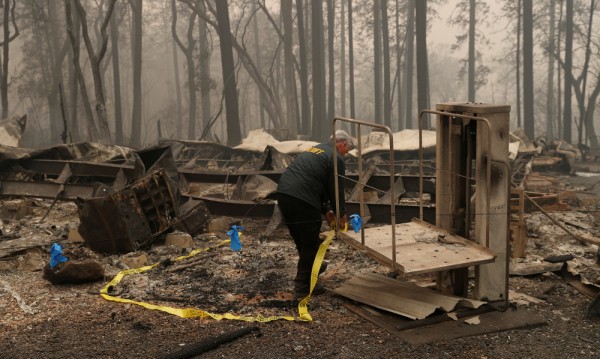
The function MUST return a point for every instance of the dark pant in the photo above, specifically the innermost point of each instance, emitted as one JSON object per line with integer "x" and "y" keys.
{"x": 304, "y": 222}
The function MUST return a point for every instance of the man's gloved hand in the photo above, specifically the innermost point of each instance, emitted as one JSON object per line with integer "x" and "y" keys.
{"x": 330, "y": 218}
{"x": 343, "y": 223}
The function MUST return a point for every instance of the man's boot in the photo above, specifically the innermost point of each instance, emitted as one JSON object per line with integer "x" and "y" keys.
{"x": 323, "y": 268}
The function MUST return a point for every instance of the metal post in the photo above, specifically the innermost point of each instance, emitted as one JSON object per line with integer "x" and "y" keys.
{"x": 360, "y": 180}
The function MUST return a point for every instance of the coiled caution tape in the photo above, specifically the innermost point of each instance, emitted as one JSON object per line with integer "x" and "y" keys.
{"x": 303, "y": 314}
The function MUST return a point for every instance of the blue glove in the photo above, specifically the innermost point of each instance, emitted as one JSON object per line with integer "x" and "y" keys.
{"x": 236, "y": 245}
{"x": 356, "y": 222}
{"x": 56, "y": 255}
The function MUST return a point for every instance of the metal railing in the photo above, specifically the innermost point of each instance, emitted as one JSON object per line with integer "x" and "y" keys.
{"x": 392, "y": 198}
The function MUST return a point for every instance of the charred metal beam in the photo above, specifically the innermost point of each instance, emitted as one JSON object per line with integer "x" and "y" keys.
{"x": 212, "y": 176}
{"x": 46, "y": 190}
{"x": 378, "y": 182}
{"x": 54, "y": 168}
{"x": 235, "y": 208}
{"x": 380, "y": 213}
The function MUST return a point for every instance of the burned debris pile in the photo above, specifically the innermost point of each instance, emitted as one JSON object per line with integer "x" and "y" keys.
{"x": 122, "y": 209}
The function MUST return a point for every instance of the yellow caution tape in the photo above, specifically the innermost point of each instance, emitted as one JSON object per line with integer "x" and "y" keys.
{"x": 314, "y": 275}
{"x": 193, "y": 312}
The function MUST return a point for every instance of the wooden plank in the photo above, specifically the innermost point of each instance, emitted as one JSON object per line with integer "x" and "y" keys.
{"x": 421, "y": 248}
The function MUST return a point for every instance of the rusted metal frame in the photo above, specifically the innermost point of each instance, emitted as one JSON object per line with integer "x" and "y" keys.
{"x": 171, "y": 195}
{"x": 156, "y": 179}
{"x": 156, "y": 205}
{"x": 336, "y": 182}
{"x": 45, "y": 190}
{"x": 488, "y": 162}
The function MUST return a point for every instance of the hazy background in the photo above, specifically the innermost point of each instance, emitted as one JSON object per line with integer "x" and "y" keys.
{"x": 165, "y": 85}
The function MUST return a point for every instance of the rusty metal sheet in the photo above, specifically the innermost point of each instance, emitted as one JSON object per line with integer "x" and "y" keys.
{"x": 109, "y": 225}
{"x": 399, "y": 297}
{"x": 194, "y": 215}
{"x": 131, "y": 218}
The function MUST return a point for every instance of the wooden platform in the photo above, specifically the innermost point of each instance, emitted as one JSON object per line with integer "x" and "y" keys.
{"x": 420, "y": 248}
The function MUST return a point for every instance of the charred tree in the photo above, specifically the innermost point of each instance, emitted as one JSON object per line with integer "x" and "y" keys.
{"x": 95, "y": 60}
{"x": 234, "y": 136}
{"x": 568, "y": 69}
{"x": 387, "y": 97}
{"x": 320, "y": 126}
{"x": 422, "y": 58}
{"x": 304, "y": 98}
{"x": 136, "y": 58}
{"x": 377, "y": 61}
{"x": 204, "y": 58}
{"x": 116, "y": 67}
{"x": 188, "y": 52}
{"x": 8, "y": 12}
{"x": 528, "y": 99}
{"x": 409, "y": 64}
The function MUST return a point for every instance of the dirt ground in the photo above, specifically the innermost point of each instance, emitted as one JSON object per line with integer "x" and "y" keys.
{"x": 42, "y": 320}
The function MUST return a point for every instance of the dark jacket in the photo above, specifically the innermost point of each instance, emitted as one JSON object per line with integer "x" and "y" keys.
{"x": 310, "y": 178}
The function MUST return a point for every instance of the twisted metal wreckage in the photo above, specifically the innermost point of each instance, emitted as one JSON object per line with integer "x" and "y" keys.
{"x": 144, "y": 193}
